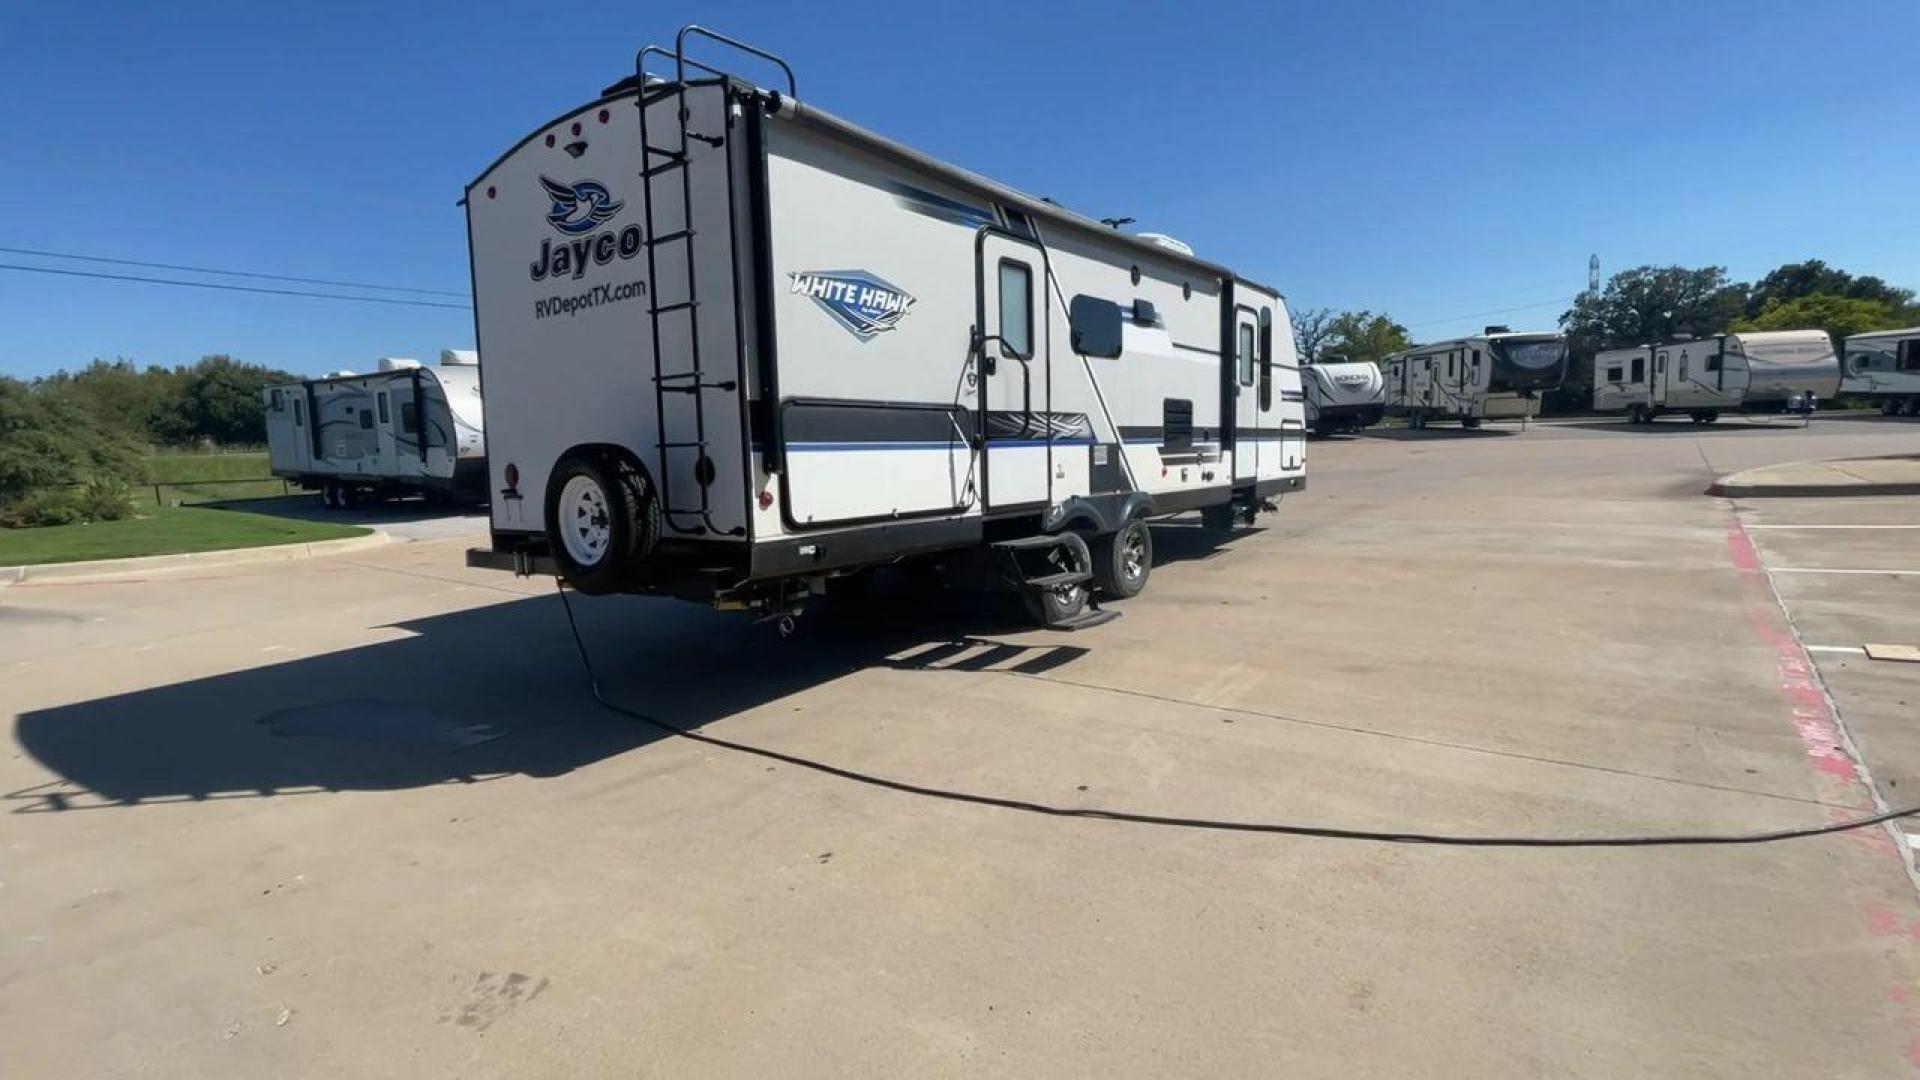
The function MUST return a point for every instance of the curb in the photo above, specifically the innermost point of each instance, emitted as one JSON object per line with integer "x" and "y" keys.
{"x": 108, "y": 568}
{"x": 1732, "y": 486}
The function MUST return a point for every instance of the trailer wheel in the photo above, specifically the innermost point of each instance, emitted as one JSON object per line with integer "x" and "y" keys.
{"x": 1051, "y": 607}
{"x": 1470, "y": 422}
{"x": 602, "y": 520}
{"x": 1890, "y": 407}
{"x": 1122, "y": 560}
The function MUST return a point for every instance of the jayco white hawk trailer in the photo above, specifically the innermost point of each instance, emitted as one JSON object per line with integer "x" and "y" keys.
{"x": 1885, "y": 366}
{"x": 406, "y": 428}
{"x": 737, "y": 347}
{"x": 1700, "y": 378}
{"x": 1342, "y": 395}
{"x": 1498, "y": 374}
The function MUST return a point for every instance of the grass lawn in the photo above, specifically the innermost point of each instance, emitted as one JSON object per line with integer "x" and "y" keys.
{"x": 186, "y": 468}
{"x": 161, "y": 532}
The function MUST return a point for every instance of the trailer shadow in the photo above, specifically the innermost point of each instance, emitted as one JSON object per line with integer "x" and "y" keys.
{"x": 1451, "y": 431}
{"x": 1682, "y": 426}
{"x": 404, "y": 511}
{"x": 481, "y": 694}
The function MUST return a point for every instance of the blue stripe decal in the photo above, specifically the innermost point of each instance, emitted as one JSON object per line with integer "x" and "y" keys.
{"x": 955, "y": 444}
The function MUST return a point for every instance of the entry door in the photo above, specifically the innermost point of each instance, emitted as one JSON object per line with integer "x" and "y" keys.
{"x": 1246, "y": 395}
{"x": 1013, "y": 372}
{"x": 1657, "y": 391}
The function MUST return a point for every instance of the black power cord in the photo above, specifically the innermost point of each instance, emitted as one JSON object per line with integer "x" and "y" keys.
{"x": 1211, "y": 824}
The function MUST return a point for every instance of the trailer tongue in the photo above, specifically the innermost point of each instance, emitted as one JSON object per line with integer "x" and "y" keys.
{"x": 740, "y": 350}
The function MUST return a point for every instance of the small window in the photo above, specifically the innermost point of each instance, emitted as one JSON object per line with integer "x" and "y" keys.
{"x": 384, "y": 418}
{"x": 1712, "y": 362}
{"x": 299, "y": 413}
{"x": 366, "y": 419}
{"x": 1476, "y": 358}
{"x": 1910, "y": 355}
{"x": 1096, "y": 326}
{"x": 1016, "y": 307}
{"x": 279, "y": 402}
{"x": 1450, "y": 361}
{"x": 1246, "y": 354}
{"x": 1613, "y": 374}
{"x": 1639, "y": 369}
{"x": 409, "y": 418}
{"x": 1683, "y": 367}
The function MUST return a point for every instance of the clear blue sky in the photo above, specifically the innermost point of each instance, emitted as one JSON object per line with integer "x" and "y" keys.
{"x": 1438, "y": 161}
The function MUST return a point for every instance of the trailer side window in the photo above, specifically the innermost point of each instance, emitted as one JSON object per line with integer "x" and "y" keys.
{"x": 409, "y": 418}
{"x": 279, "y": 402}
{"x": 1910, "y": 355}
{"x": 1713, "y": 362}
{"x": 1613, "y": 374}
{"x": 1246, "y": 354}
{"x": 1016, "y": 307}
{"x": 1639, "y": 369}
{"x": 366, "y": 419}
{"x": 1096, "y": 326}
{"x": 299, "y": 413}
{"x": 384, "y": 418}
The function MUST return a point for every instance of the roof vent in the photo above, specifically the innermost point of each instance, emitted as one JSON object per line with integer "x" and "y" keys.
{"x": 1165, "y": 241}
{"x": 459, "y": 358}
{"x": 343, "y": 373}
{"x": 1499, "y": 330}
{"x": 398, "y": 363}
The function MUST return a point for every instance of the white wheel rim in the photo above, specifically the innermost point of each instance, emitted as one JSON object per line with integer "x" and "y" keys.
{"x": 586, "y": 526}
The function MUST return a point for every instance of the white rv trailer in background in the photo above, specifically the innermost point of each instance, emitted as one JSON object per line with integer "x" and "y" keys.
{"x": 738, "y": 347}
{"x": 1342, "y": 395}
{"x": 405, "y": 428}
{"x": 1752, "y": 371}
{"x": 1498, "y": 374}
{"x": 1885, "y": 366}
{"x": 1699, "y": 378}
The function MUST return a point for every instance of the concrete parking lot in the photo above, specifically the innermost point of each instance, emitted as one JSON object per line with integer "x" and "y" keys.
{"x": 358, "y": 815}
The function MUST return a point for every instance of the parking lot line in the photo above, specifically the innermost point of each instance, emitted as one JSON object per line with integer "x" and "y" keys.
{"x": 1751, "y": 528}
{"x": 1819, "y": 570}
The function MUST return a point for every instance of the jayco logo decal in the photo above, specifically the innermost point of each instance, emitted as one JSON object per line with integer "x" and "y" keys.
{"x": 579, "y": 207}
{"x": 857, "y": 300}
{"x": 576, "y": 211}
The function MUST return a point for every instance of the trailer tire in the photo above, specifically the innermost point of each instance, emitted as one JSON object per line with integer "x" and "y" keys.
{"x": 1052, "y": 607}
{"x": 1890, "y": 407}
{"x": 602, "y": 520}
{"x": 1123, "y": 560}
{"x": 1471, "y": 423}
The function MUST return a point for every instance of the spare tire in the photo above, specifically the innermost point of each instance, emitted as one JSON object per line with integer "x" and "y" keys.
{"x": 602, "y": 521}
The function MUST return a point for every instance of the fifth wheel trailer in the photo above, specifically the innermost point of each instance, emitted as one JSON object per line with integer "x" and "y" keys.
{"x": 738, "y": 347}
{"x": 1497, "y": 374}
{"x": 1885, "y": 367}
{"x": 1342, "y": 395}
{"x": 405, "y": 428}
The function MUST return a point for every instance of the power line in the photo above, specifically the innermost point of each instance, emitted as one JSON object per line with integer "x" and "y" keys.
{"x": 234, "y": 288}
{"x": 228, "y": 273}
{"x": 1496, "y": 311}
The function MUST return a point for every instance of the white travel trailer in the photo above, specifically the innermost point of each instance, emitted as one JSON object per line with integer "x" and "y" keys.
{"x": 1885, "y": 365}
{"x": 1498, "y": 374}
{"x": 1699, "y": 378}
{"x": 738, "y": 348}
{"x": 1342, "y": 395}
{"x": 1753, "y": 371}
{"x": 405, "y": 428}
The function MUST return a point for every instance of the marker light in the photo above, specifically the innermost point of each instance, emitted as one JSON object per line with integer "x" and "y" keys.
{"x": 576, "y": 127}
{"x": 766, "y": 498}
{"x": 490, "y": 191}
{"x": 512, "y": 476}
{"x": 549, "y": 138}
{"x": 604, "y": 114}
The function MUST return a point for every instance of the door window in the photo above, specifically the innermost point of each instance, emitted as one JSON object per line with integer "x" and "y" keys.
{"x": 1639, "y": 369}
{"x": 409, "y": 418}
{"x": 1016, "y": 307}
{"x": 299, "y": 413}
{"x": 1246, "y": 354}
{"x": 384, "y": 418}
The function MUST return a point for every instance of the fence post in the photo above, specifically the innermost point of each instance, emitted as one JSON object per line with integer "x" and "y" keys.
{"x": 157, "y": 504}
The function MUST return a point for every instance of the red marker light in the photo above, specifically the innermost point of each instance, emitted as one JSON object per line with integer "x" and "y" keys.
{"x": 512, "y": 476}
{"x": 549, "y": 140}
{"x": 604, "y": 114}
{"x": 576, "y": 127}
{"x": 766, "y": 498}
{"x": 490, "y": 191}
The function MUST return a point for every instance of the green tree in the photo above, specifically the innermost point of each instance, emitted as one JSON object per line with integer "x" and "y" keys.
{"x": 47, "y": 440}
{"x": 1840, "y": 316}
{"x": 116, "y": 394}
{"x": 1801, "y": 280}
{"x": 1364, "y": 335}
{"x": 218, "y": 400}
{"x": 1652, "y": 303}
